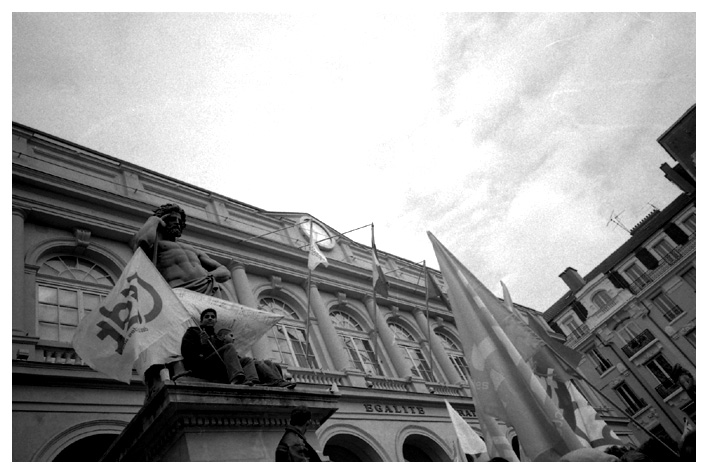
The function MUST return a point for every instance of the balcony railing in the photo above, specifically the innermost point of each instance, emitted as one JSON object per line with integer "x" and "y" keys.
{"x": 637, "y": 407}
{"x": 669, "y": 260}
{"x": 672, "y": 313}
{"x": 666, "y": 389}
{"x": 638, "y": 343}
{"x": 577, "y": 333}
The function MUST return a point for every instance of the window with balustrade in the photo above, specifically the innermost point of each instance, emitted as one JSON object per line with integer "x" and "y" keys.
{"x": 662, "y": 248}
{"x": 599, "y": 361}
{"x": 455, "y": 354}
{"x": 632, "y": 402}
{"x": 412, "y": 352}
{"x": 669, "y": 309}
{"x": 571, "y": 326}
{"x": 68, "y": 288}
{"x": 690, "y": 223}
{"x": 287, "y": 338}
{"x": 661, "y": 369}
{"x": 356, "y": 342}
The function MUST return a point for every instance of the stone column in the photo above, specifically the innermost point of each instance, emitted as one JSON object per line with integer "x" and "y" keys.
{"x": 19, "y": 325}
{"x": 386, "y": 337}
{"x": 260, "y": 349}
{"x": 328, "y": 331}
{"x": 438, "y": 351}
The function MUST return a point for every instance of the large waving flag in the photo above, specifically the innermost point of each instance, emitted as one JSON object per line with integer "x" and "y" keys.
{"x": 503, "y": 384}
{"x": 140, "y": 309}
{"x": 381, "y": 285}
{"x": 495, "y": 439}
{"x": 470, "y": 442}
{"x": 557, "y": 365}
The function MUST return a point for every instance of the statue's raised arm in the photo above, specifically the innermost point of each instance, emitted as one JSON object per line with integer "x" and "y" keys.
{"x": 180, "y": 264}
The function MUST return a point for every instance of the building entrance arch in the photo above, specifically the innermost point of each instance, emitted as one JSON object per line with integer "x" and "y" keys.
{"x": 87, "y": 449}
{"x": 419, "y": 448}
{"x": 350, "y": 448}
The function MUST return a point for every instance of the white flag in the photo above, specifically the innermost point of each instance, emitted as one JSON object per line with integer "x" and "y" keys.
{"x": 315, "y": 257}
{"x": 140, "y": 309}
{"x": 470, "y": 442}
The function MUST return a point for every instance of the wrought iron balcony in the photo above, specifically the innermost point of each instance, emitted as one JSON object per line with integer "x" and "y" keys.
{"x": 638, "y": 343}
{"x": 577, "y": 333}
{"x": 667, "y": 388}
{"x": 664, "y": 265}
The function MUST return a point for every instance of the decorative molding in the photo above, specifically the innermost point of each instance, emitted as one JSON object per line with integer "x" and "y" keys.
{"x": 342, "y": 298}
{"x": 394, "y": 310}
{"x": 276, "y": 282}
{"x": 82, "y": 238}
{"x": 234, "y": 265}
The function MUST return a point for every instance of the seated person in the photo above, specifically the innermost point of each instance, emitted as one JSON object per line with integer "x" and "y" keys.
{"x": 269, "y": 373}
{"x": 209, "y": 358}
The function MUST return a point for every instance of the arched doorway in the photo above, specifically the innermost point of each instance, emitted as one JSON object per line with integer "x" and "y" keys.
{"x": 419, "y": 448}
{"x": 349, "y": 448}
{"x": 88, "y": 449}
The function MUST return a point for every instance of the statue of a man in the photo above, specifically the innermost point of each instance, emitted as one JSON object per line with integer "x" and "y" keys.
{"x": 180, "y": 264}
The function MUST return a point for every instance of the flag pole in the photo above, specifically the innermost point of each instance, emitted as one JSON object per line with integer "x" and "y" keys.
{"x": 307, "y": 292}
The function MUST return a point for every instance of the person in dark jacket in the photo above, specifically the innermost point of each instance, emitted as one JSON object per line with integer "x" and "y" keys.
{"x": 209, "y": 358}
{"x": 293, "y": 447}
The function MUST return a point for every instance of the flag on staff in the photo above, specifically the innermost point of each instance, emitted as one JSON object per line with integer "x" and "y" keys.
{"x": 434, "y": 290}
{"x": 470, "y": 442}
{"x": 381, "y": 285}
{"x": 495, "y": 439}
{"x": 139, "y": 310}
{"x": 315, "y": 257}
{"x": 503, "y": 384}
{"x": 556, "y": 365}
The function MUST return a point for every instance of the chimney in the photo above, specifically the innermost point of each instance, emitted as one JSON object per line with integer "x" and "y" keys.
{"x": 572, "y": 278}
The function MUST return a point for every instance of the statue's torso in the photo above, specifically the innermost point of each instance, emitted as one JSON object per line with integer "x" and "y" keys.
{"x": 178, "y": 263}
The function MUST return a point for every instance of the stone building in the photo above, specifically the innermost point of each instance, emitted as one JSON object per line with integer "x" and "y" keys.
{"x": 74, "y": 211}
{"x": 634, "y": 315}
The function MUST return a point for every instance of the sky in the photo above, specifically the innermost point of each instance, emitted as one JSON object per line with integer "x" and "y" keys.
{"x": 512, "y": 137}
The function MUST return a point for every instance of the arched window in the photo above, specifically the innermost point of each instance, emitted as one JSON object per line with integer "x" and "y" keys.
{"x": 455, "y": 354}
{"x": 412, "y": 352}
{"x": 287, "y": 337}
{"x": 357, "y": 343}
{"x": 68, "y": 288}
{"x": 601, "y": 299}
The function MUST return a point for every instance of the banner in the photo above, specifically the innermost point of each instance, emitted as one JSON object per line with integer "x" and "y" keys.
{"x": 248, "y": 325}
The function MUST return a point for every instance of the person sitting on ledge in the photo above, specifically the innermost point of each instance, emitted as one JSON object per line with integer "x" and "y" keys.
{"x": 208, "y": 358}
{"x": 269, "y": 372}
{"x": 214, "y": 357}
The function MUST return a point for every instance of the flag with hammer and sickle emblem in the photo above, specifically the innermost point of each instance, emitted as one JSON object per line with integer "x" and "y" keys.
{"x": 140, "y": 310}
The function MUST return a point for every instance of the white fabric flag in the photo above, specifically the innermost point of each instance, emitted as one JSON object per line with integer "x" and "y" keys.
{"x": 315, "y": 257}
{"x": 470, "y": 442}
{"x": 140, "y": 309}
{"x": 247, "y": 324}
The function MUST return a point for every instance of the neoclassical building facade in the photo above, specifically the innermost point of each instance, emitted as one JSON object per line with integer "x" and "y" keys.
{"x": 74, "y": 211}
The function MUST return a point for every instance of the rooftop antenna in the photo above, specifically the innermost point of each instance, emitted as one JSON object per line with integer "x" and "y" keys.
{"x": 614, "y": 218}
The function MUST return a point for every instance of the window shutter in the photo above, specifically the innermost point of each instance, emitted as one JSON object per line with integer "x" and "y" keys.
{"x": 646, "y": 258}
{"x": 554, "y": 326}
{"x": 676, "y": 234}
{"x": 580, "y": 310}
{"x": 617, "y": 280}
